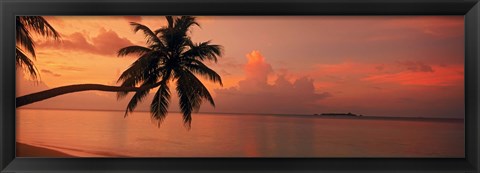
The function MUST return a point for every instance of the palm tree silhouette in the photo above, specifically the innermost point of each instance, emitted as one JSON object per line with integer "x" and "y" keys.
{"x": 170, "y": 58}
{"x": 25, "y": 43}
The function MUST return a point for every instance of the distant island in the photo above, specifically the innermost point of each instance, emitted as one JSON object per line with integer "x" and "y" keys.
{"x": 340, "y": 114}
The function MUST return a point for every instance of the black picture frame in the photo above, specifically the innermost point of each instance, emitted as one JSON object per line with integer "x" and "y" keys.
{"x": 11, "y": 8}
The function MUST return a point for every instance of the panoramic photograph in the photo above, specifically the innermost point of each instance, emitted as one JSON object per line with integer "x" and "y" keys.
{"x": 240, "y": 86}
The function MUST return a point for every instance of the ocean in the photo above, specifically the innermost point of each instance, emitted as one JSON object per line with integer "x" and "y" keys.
{"x": 109, "y": 134}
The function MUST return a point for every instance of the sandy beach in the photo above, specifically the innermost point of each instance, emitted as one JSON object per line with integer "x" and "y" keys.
{"x": 25, "y": 150}
{"x": 28, "y": 150}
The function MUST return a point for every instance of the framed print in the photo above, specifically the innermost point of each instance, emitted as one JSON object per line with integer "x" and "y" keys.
{"x": 185, "y": 86}
{"x": 339, "y": 91}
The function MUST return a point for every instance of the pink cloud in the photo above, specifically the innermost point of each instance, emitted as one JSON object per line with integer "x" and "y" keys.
{"x": 354, "y": 70}
{"x": 107, "y": 42}
{"x": 255, "y": 95}
{"x": 256, "y": 72}
{"x": 435, "y": 76}
{"x": 416, "y": 66}
{"x": 257, "y": 67}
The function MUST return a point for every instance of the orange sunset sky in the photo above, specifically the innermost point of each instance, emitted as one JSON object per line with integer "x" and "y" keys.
{"x": 370, "y": 65}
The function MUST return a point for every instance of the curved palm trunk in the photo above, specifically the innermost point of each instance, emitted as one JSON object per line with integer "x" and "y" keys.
{"x": 42, "y": 95}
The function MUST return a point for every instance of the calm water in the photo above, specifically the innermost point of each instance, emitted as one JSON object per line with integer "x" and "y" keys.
{"x": 107, "y": 133}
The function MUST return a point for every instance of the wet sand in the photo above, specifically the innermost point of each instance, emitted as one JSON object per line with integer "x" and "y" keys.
{"x": 28, "y": 150}
{"x": 34, "y": 151}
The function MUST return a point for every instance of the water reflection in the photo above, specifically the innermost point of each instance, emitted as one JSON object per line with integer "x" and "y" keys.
{"x": 104, "y": 133}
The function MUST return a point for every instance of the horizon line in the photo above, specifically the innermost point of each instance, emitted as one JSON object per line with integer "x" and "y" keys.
{"x": 293, "y": 114}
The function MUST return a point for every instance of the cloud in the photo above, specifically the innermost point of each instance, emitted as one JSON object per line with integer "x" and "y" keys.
{"x": 416, "y": 66}
{"x": 107, "y": 42}
{"x": 70, "y": 68}
{"x": 50, "y": 73}
{"x": 404, "y": 72}
{"x": 255, "y": 95}
{"x": 421, "y": 75}
{"x": 346, "y": 68}
{"x": 137, "y": 19}
{"x": 256, "y": 72}
{"x": 224, "y": 72}
{"x": 391, "y": 88}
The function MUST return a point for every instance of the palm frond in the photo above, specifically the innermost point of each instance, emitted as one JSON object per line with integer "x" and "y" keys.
{"x": 137, "y": 97}
{"x": 198, "y": 67}
{"x": 161, "y": 32}
{"x": 25, "y": 24}
{"x": 200, "y": 89}
{"x": 187, "y": 100}
{"x": 134, "y": 80}
{"x": 141, "y": 70}
{"x": 170, "y": 21}
{"x": 160, "y": 102}
{"x": 24, "y": 39}
{"x": 142, "y": 66}
{"x": 129, "y": 82}
{"x": 40, "y": 26}
{"x": 140, "y": 95}
{"x": 183, "y": 23}
{"x": 203, "y": 51}
{"x": 151, "y": 37}
{"x": 23, "y": 61}
{"x": 191, "y": 91}
{"x": 140, "y": 50}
